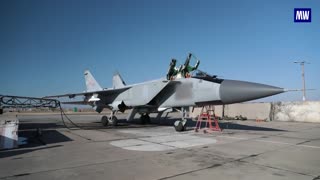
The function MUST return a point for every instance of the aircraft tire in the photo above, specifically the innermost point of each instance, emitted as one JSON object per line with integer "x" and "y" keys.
{"x": 104, "y": 120}
{"x": 178, "y": 126}
{"x": 148, "y": 120}
{"x": 144, "y": 119}
{"x": 114, "y": 121}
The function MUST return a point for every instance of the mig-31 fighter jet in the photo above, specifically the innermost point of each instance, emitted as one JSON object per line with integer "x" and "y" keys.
{"x": 183, "y": 87}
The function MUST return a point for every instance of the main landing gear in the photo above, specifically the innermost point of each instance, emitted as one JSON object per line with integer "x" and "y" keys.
{"x": 145, "y": 118}
{"x": 180, "y": 125}
{"x": 112, "y": 119}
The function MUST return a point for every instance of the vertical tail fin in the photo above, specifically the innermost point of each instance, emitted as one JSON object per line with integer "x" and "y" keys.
{"x": 91, "y": 83}
{"x": 117, "y": 81}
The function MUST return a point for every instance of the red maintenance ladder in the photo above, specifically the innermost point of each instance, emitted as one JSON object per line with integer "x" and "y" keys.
{"x": 206, "y": 118}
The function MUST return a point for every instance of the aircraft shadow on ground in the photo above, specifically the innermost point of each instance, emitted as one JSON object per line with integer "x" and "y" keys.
{"x": 230, "y": 125}
{"x": 223, "y": 125}
{"x": 123, "y": 124}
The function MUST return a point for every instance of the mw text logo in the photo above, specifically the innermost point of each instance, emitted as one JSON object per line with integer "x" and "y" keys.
{"x": 302, "y": 15}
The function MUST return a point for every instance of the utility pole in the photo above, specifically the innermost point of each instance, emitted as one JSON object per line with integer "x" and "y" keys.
{"x": 303, "y": 79}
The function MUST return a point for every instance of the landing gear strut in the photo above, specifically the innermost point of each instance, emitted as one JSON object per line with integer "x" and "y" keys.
{"x": 113, "y": 120}
{"x": 180, "y": 125}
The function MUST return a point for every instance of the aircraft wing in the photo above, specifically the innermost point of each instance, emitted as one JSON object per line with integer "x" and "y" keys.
{"x": 163, "y": 93}
{"x": 105, "y": 92}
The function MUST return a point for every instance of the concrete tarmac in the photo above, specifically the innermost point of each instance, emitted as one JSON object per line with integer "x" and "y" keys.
{"x": 243, "y": 150}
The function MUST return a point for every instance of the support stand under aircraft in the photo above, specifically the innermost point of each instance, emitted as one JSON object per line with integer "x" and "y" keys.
{"x": 184, "y": 86}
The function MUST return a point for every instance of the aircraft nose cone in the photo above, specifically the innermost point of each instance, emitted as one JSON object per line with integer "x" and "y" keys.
{"x": 232, "y": 91}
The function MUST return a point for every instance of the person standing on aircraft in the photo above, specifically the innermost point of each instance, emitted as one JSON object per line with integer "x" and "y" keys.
{"x": 172, "y": 69}
{"x": 187, "y": 69}
{"x": 192, "y": 68}
{"x": 183, "y": 70}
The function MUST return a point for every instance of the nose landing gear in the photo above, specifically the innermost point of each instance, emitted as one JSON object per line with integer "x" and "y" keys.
{"x": 180, "y": 125}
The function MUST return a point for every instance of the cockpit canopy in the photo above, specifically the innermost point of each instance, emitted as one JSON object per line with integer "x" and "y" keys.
{"x": 188, "y": 71}
{"x": 198, "y": 74}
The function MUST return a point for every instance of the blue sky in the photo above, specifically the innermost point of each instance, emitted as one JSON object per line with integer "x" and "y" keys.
{"x": 46, "y": 45}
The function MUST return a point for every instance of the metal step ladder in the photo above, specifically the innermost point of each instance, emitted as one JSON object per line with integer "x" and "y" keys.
{"x": 206, "y": 117}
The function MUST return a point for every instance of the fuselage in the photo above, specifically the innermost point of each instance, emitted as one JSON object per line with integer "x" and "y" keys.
{"x": 193, "y": 91}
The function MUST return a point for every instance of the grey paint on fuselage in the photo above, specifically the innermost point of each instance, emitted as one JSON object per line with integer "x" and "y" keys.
{"x": 186, "y": 92}
{"x": 191, "y": 91}
{"x": 141, "y": 94}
